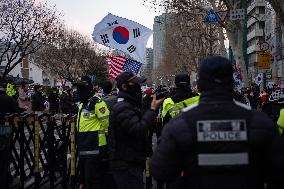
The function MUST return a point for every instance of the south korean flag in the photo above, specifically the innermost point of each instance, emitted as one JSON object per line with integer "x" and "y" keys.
{"x": 124, "y": 35}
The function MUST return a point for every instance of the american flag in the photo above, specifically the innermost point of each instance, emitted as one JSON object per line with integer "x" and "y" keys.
{"x": 119, "y": 64}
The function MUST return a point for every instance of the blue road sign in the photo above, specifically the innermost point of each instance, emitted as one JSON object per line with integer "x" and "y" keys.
{"x": 211, "y": 17}
{"x": 93, "y": 77}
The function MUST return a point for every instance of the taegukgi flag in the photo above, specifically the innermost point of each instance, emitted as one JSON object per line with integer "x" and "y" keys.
{"x": 122, "y": 34}
{"x": 259, "y": 79}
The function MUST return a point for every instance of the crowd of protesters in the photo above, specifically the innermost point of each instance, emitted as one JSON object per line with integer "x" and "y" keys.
{"x": 38, "y": 98}
{"x": 133, "y": 122}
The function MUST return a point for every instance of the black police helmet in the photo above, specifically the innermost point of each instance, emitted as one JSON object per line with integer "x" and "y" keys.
{"x": 182, "y": 80}
{"x": 215, "y": 72}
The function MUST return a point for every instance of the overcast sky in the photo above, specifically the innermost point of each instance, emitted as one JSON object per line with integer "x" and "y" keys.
{"x": 83, "y": 15}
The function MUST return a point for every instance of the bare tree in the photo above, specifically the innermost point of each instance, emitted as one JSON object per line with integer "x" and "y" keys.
{"x": 25, "y": 26}
{"x": 72, "y": 55}
{"x": 188, "y": 38}
{"x": 278, "y": 6}
{"x": 234, "y": 29}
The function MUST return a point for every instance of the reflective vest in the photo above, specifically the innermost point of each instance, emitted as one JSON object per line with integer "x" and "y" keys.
{"x": 169, "y": 106}
{"x": 280, "y": 121}
{"x": 10, "y": 90}
{"x": 92, "y": 127}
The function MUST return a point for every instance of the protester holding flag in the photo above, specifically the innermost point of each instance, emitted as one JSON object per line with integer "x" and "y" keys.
{"x": 128, "y": 132}
{"x": 129, "y": 129}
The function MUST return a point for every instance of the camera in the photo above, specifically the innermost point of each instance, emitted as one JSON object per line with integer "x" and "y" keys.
{"x": 161, "y": 94}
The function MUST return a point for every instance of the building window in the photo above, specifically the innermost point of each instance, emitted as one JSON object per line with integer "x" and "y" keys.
{"x": 261, "y": 10}
{"x": 252, "y": 42}
{"x": 31, "y": 69}
{"x": 252, "y": 28}
{"x": 252, "y": 59}
{"x": 261, "y": 25}
{"x": 253, "y": 11}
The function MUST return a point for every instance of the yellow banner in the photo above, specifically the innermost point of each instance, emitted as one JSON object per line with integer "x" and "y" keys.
{"x": 263, "y": 60}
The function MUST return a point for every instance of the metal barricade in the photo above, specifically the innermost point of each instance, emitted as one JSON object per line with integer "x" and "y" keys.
{"x": 5, "y": 132}
{"x": 43, "y": 151}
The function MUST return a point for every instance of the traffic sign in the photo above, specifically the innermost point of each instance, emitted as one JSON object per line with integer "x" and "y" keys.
{"x": 237, "y": 14}
{"x": 211, "y": 17}
{"x": 263, "y": 60}
{"x": 268, "y": 74}
{"x": 222, "y": 15}
{"x": 264, "y": 46}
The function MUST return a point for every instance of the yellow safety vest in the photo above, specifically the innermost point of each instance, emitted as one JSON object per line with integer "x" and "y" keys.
{"x": 280, "y": 121}
{"x": 10, "y": 90}
{"x": 92, "y": 126}
{"x": 169, "y": 106}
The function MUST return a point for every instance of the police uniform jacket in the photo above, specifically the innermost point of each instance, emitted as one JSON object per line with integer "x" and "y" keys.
{"x": 128, "y": 131}
{"x": 220, "y": 143}
{"x": 181, "y": 94}
{"x": 92, "y": 128}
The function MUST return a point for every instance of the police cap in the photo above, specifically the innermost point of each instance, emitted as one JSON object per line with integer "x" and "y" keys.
{"x": 215, "y": 72}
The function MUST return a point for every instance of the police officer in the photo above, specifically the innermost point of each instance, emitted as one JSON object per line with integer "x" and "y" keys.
{"x": 280, "y": 122}
{"x": 129, "y": 129}
{"x": 183, "y": 97}
{"x": 7, "y": 105}
{"x": 92, "y": 128}
{"x": 219, "y": 143}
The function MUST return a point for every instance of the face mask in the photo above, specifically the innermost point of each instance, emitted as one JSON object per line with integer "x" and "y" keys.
{"x": 134, "y": 91}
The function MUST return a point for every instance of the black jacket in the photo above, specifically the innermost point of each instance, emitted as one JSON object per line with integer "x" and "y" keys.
{"x": 182, "y": 149}
{"x": 110, "y": 100}
{"x": 128, "y": 132}
{"x": 68, "y": 105}
{"x": 8, "y": 104}
{"x": 37, "y": 101}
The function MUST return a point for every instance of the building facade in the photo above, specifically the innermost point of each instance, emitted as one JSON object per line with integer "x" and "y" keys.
{"x": 159, "y": 36}
{"x": 29, "y": 69}
{"x": 264, "y": 26}
{"x": 148, "y": 65}
{"x": 256, "y": 12}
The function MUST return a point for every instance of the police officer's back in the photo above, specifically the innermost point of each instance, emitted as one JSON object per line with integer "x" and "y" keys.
{"x": 219, "y": 143}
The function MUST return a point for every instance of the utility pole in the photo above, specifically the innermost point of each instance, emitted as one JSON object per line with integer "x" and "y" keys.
{"x": 245, "y": 33}
{"x": 231, "y": 55}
